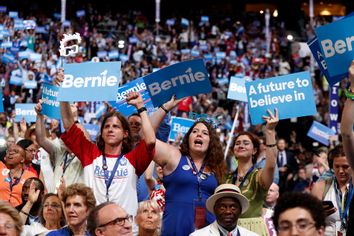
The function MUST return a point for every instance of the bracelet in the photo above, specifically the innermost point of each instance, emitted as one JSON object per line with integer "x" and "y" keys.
{"x": 349, "y": 93}
{"x": 164, "y": 108}
{"x": 271, "y": 145}
{"x": 141, "y": 109}
{"x": 27, "y": 214}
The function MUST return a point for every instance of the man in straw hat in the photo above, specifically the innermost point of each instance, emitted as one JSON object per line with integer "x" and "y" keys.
{"x": 227, "y": 204}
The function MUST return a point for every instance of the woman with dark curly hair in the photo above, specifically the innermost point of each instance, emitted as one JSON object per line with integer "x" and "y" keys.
{"x": 254, "y": 183}
{"x": 191, "y": 175}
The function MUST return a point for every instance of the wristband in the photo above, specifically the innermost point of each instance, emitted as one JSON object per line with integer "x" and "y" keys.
{"x": 271, "y": 145}
{"x": 141, "y": 109}
{"x": 164, "y": 108}
{"x": 349, "y": 93}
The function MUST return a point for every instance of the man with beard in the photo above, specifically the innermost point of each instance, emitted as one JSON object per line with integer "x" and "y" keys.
{"x": 29, "y": 209}
{"x": 227, "y": 204}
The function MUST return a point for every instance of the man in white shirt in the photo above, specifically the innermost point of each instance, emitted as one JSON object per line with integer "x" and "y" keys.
{"x": 227, "y": 204}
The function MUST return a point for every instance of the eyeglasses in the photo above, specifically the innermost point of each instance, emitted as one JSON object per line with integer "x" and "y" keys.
{"x": 54, "y": 205}
{"x": 8, "y": 226}
{"x": 118, "y": 221}
{"x": 301, "y": 226}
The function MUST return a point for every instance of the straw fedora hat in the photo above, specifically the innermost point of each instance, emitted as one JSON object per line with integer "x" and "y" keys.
{"x": 227, "y": 190}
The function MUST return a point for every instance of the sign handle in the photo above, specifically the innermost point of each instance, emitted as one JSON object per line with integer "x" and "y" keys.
{"x": 232, "y": 131}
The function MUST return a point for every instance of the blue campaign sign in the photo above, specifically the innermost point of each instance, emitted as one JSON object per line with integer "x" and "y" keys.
{"x": 50, "y": 105}
{"x": 120, "y": 103}
{"x": 182, "y": 79}
{"x": 30, "y": 84}
{"x": 25, "y": 111}
{"x": 237, "y": 89}
{"x": 315, "y": 48}
{"x": 92, "y": 130}
{"x": 320, "y": 133}
{"x": 292, "y": 94}
{"x": 92, "y": 81}
{"x": 335, "y": 40}
{"x": 179, "y": 124}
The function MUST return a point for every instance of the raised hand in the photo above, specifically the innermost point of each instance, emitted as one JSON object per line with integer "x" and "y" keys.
{"x": 173, "y": 102}
{"x": 60, "y": 77}
{"x": 271, "y": 120}
{"x": 135, "y": 99}
{"x": 38, "y": 107}
{"x": 33, "y": 193}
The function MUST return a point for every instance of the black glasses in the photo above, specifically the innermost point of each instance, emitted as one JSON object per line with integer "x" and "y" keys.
{"x": 301, "y": 226}
{"x": 118, "y": 221}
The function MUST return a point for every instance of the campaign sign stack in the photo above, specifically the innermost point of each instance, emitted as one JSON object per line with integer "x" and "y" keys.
{"x": 183, "y": 79}
{"x": 90, "y": 82}
{"x": 333, "y": 48}
{"x": 291, "y": 94}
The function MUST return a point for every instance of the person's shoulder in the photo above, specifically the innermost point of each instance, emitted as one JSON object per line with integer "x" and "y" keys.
{"x": 59, "y": 232}
{"x": 246, "y": 232}
{"x": 201, "y": 231}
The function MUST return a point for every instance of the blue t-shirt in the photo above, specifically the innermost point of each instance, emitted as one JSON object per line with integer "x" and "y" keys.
{"x": 65, "y": 231}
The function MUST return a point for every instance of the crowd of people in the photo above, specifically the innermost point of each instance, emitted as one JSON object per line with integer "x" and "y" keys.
{"x": 131, "y": 180}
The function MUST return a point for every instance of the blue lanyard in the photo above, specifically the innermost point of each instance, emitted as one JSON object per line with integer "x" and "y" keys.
{"x": 108, "y": 179}
{"x": 343, "y": 215}
{"x": 234, "y": 177}
{"x": 17, "y": 180}
{"x": 200, "y": 175}
{"x": 66, "y": 162}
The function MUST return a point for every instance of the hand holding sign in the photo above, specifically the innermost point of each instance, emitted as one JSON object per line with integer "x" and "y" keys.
{"x": 172, "y": 103}
{"x": 38, "y": 107}
{"x": 135, "y": 99}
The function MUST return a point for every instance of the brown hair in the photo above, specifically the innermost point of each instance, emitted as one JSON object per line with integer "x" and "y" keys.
{"x": 255, "y": 141}
{"x": 41, "y": 217}
{"x": 81, "y": 190}
{"x": 214, "y": 158}
{"x": 7, "y": 209}
{"x": 127, "y": 142}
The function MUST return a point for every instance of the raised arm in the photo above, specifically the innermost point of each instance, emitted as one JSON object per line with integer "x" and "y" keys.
{"x": 149, "y": 177}
{"x": 65, "y": 110}
{"x": 158, "y": 116}
{"x": 348, "y": 120}
{"x": 267, "y": 175}
{"x": 40, "y": 131}
{"x": 135, "y": 99}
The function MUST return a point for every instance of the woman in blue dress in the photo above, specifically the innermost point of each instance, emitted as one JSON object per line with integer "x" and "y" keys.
{"x": 191, "y": 175}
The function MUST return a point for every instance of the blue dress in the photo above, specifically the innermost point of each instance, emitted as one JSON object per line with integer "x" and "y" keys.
{"x": 181, "y": 191}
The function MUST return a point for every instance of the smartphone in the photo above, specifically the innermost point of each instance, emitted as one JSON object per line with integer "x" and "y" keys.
{"x": 327, "y": 204}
